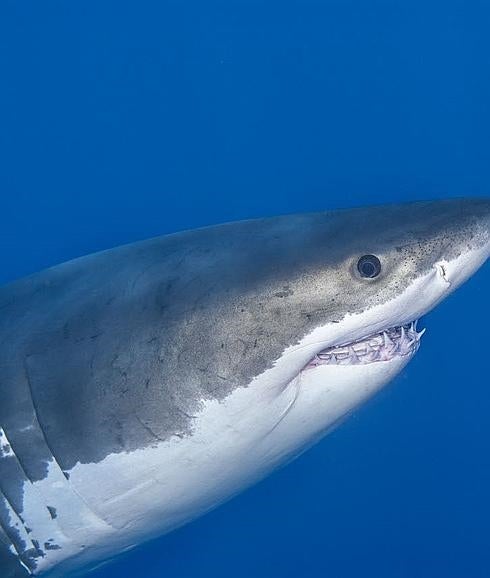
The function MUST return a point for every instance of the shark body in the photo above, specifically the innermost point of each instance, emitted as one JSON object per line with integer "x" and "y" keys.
{"x": 142, "y": 386}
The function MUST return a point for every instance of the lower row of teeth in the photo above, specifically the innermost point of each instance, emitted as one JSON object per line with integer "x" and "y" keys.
{"x": 397, "y": 341}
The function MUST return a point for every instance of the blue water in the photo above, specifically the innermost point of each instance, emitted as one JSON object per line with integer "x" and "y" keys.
{"x": 120, "y": 120}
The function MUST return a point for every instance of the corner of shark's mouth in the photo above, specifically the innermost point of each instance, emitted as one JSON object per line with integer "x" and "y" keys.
{"x": 399, "y": 341}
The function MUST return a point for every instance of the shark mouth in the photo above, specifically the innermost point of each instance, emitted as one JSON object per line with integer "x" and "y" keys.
{"x": 397, "y": 341}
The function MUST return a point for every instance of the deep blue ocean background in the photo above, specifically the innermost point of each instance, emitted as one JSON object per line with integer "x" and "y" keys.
{"x": 121, "y": 120}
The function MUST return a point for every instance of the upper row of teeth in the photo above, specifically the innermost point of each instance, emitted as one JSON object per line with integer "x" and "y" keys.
{"x": 380, "y": 347}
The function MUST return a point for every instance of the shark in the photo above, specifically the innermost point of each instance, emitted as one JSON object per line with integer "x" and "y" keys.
{"x": 144, "y": 385}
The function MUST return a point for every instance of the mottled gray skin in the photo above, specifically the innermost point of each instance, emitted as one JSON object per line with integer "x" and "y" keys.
{"x": 118, "y": 350}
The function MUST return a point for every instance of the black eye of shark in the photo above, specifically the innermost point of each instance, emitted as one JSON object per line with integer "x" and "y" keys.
{"x": 369, "y": 266}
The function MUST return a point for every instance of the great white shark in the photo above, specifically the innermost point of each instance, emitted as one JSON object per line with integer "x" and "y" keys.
{"x": 142, "y": 386}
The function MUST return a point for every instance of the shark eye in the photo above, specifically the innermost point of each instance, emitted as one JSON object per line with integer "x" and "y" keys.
{"x": 369, "y": 266}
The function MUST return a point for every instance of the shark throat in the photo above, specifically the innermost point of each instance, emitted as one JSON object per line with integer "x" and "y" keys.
{"x": 398, "y": 341}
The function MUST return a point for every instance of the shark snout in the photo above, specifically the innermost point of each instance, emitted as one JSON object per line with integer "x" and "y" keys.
{"x": 470, "y": 243}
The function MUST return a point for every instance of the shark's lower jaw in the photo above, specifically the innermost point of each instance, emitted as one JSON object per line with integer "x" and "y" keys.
{"x": 399, "y": 341}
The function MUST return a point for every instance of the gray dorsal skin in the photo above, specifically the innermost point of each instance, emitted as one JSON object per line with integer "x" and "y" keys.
{"x": 118, "y": 351}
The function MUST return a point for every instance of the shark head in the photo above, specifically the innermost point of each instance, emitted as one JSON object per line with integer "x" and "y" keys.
{"x": 377, "y": 270}
{"x": 362, "y": 280}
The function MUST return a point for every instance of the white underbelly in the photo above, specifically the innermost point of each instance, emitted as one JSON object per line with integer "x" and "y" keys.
{"x": 151, "y": 491}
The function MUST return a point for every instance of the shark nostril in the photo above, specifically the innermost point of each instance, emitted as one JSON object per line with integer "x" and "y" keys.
{"x": 441, "y": 268}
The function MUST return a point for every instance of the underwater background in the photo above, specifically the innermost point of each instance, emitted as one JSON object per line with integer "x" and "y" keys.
{"x": 122, "y": 120}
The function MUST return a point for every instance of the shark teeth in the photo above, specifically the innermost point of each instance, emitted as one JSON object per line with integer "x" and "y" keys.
{"x": 394, "y": 342}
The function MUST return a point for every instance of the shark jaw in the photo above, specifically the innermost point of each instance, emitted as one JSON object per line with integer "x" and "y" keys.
{"x": 397, "y": 341}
